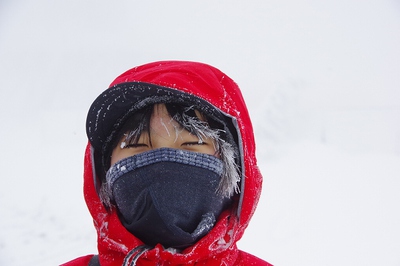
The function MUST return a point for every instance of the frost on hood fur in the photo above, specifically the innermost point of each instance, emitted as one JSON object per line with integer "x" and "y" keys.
{"x": 218, "y": 247}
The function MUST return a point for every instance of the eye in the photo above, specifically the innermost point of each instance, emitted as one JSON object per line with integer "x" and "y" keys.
{"x": 193, "y": 143}
{"x": 124, "y": 145}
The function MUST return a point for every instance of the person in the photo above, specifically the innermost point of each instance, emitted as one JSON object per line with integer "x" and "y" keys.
{"x": 170, "y": 173}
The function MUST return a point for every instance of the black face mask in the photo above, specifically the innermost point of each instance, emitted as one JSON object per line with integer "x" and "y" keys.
{"x": 168, "y": 196}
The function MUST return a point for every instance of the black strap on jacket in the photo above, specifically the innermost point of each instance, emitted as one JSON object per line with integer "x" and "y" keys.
{"x": 94, "y": 261}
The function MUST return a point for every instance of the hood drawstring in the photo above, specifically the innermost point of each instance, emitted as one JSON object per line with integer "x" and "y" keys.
{"x": 134, "y": 255}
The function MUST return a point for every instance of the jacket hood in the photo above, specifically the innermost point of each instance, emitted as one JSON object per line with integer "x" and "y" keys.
{"x": 165, "y": 80}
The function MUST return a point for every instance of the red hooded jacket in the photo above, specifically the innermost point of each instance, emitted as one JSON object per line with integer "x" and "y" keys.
{"x": 218, "y": 247}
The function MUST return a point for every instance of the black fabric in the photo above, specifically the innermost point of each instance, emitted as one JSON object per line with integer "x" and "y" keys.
{"x": 168, "y": 202}
{"x": 94, "y": 261}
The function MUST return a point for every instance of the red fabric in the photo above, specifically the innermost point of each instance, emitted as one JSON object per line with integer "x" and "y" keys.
{"x": 218, "y": 247}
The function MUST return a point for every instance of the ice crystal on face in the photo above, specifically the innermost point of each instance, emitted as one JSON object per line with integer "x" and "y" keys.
{"x": 134, "y": 135}
{"x": 123, "y": 145}
{"x": 165, "y": 126}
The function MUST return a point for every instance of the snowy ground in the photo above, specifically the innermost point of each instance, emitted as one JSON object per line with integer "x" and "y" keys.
{"x": 322, "y": 85}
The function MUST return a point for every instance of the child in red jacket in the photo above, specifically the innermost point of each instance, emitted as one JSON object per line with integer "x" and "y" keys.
{"x": 170, "y": 169}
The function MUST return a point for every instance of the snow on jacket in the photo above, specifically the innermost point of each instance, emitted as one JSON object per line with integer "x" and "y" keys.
{"x": 218, "y": 247}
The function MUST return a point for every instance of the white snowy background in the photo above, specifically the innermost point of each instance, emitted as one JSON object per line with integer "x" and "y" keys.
{"x": 322, "y": 83}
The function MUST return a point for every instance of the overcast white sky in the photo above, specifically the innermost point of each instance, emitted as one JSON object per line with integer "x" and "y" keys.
{"x": 317, "y": 72}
